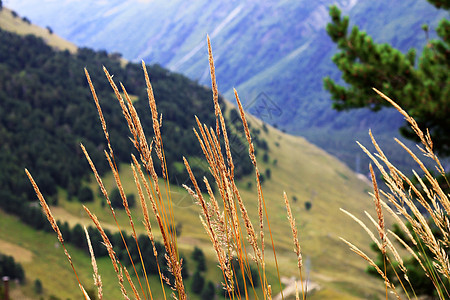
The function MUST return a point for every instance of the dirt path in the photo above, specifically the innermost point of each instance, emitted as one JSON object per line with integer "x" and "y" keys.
{"x": 289, "y": 289}
{"x": 19, "y": 253}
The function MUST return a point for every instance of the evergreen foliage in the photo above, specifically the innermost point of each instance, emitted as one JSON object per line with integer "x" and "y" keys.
{"x": 8, "y": 267}
{"x": 38, "y": 289}
{"x": 199, "y": 257}
{"x": 78, "y": 237}
{"x": 85, "y": 194}
{"x": 117, "y": 202}
{"x": 198, "y": 281}
{"x": 308, "y": 205}
{"x": 440, "y": 3}
{"x": 208, "y": 292}
{"x": 116, "y": 199}
{"x": 422, "y": 87}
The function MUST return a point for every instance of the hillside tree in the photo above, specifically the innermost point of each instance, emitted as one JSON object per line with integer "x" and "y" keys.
{"x": 421, "y": 87}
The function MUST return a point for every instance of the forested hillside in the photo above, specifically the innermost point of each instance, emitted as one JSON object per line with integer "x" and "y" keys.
{"x": 47, "y": 110}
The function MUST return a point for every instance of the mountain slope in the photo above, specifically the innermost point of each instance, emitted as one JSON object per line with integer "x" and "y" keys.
{"x": 279, "y": 50}
{"x": 10, "y": 21}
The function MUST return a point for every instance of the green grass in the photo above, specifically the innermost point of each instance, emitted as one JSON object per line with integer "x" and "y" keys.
{"x": 49, "y": 263}
{"x": 17, "y": 25}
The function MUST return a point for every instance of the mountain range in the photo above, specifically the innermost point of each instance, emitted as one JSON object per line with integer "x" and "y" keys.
{"x": 275, "y": 53}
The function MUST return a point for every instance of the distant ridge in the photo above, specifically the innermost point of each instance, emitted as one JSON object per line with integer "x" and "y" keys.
{"x": 11, "y": 21}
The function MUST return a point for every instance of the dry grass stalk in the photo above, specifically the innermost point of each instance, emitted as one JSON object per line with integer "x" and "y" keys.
{"x": 156, "y": 122}
{"x": 55, "y": 227}
{"x": 146, "y": 220}
{"x": 228, "y": 191}
{"x": 163, "y": 215}
{"x": 261, "y": 201}
{"x": 211, "y": 230}
{"x": 410, "y": 250}
{"x": 398, "y": 221}
{"x": 131, "y": 283}
{"x": 382, "y": 229}
{"x": 139, "y": 140}
{"x": 213, "y": 84}
{"x": 222, "y": 226}
{"x": 409, "y": 201}
{"x": 97, "y": 178}
{"x": 364, "y": 226}
{"x": 251, "y": 152}
{"x": 225, "y": 232}
{"x": 96, "y": 275}
{"x": 387, "y": 244}
{"x": 111, "y": 253}
{"x": 121, "y": 102}
{"x": 127, "y": 210}
{"x": 424, "y": 138}
{"x": 297, "y": 249}
{"x": 386, "y": 258}
{"x": 382, "y": 245}
{"x": 85, "y": 294}
{"x": 291, "y": 219}
{"x": 398, "y": 191}
{"x": 218, "y": 110}
{"x": 111, "y": 161}
{"x": 46, "y": 209}
{"x": 373, "y": 264}
{"x": 99, "y": 110}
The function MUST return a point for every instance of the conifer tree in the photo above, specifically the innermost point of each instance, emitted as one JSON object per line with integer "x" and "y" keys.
{"x": 420, "y": 87}
{"x": 208, "y": 292}
{"x": 198, "y": 281}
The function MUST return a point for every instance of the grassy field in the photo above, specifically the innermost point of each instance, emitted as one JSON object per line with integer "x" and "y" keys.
{"x": 42, "y": 258}
{"x": 16, "y": 24}
{"x": 40, "y": 255}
